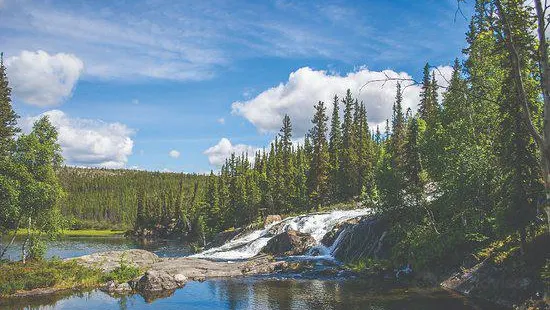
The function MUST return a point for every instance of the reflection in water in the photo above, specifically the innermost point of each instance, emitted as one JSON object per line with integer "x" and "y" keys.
{"x": 77, "y": 246}
{"x": 268, "y": 293}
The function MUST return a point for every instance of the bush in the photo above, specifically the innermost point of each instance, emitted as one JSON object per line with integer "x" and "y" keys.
{"x": 16, "y": 276}
{"x": 122, "y": 274}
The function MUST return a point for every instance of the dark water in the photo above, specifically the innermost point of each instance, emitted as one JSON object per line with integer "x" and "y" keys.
{"x": 264, "y": 293}
{"x": 77, "y": 246}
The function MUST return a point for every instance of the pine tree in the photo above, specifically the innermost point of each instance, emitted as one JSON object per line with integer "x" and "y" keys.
{"x": 334, "y": 148}
{"x": 348, "y": 154}
{"x": 287, "y": 187}
{"x": 319, "y": 189}
{"x": 412, "y": 166}
{"x": 8, "y": 118}
{"x": 425, "y": 94}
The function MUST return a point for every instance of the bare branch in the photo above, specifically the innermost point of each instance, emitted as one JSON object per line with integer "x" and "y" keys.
{"x": 459, "y": 10}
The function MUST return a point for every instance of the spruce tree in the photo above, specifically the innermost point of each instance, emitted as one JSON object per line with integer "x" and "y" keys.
{"x": 319, "y": 189}
{"x": 8, "y": 118}
{"x": 334, "y": 148}
{"x": 348, "y": 154}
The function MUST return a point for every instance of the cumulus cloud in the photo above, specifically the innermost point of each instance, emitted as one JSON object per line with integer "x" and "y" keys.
{"x": 41, "y": 79}
{"x": 443, "y": 76}
{"x": 221, "y": 120}
{"x": 87, "y": 142}
{"x": 174, "y": 154}
{"x": 223, "y": 149}
{"x": 306, "y": 86}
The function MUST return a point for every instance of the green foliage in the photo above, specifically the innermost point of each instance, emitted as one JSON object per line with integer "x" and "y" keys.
{"x": 122, "y": 274}
{"x": 16, "y": 276}
{"x": 369, "y": 266}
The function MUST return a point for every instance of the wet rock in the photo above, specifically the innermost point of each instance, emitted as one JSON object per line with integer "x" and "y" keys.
{"x": 159, "y": 280}
{"x": 117, "y": 288}
{"x": 288, "y": 243}
{"x": 331, "y": 236}
{"x": 272, "y": 219}
{"x": 366, "y": 239}
{"x": 223, "y": 237}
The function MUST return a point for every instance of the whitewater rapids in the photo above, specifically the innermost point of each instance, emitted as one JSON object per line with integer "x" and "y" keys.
{"x": 250, "y": 244}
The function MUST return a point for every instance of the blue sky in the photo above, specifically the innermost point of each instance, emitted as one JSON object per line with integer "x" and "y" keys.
{"x": 160, "y": 85}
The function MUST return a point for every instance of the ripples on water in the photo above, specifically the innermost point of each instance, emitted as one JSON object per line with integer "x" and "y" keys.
{"x": 262, "y": 293}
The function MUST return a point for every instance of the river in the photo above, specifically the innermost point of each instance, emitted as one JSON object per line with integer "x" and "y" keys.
{"x": 288, "y": 291}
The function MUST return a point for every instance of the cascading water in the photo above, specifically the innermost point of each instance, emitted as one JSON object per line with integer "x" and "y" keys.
{"x": 317, "y": 225}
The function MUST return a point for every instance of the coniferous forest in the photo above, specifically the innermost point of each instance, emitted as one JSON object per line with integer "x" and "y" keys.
{"x": 463, "y": 171}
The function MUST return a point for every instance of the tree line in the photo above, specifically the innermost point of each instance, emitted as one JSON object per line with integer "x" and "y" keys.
{"x": 464, "y": 170}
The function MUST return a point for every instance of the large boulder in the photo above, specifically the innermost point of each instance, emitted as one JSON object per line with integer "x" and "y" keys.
{"x": 365, "y": 239}
{"x": 288, "y": 243}
{"x": 159, "y": 280}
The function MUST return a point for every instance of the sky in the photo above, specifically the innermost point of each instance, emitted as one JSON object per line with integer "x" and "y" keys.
{"x": 180, "y": 85}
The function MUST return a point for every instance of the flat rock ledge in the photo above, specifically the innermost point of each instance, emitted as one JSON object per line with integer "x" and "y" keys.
{"x": 164, "y": 275}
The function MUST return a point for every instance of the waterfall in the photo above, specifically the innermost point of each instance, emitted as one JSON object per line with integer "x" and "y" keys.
{"x": 316, "y": 224}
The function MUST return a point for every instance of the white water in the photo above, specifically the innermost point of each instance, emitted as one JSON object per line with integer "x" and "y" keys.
{"x": 317, "y": 225}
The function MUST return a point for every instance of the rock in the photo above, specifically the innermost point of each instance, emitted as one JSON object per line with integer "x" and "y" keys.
{"x": 288, "y": 243}
{"x": 272, "y": 219}
{"x": 223, "y": 237}
{"x": 158, "y": 280}
{"x": 117, "y": 288}
{"x": 180, "y": 279}
{"x": 366, "y": 239}
{"x": 108, "y": 261}
{"x": 331, "y": 236}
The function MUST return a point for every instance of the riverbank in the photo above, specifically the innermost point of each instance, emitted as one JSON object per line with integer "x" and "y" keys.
{"x": 83, "y": 233}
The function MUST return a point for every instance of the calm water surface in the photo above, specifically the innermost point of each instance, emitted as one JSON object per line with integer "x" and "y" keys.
{"x": 261, "y": 292}
{"x": 265, "y": 293}
{"x": 77, "y": 246}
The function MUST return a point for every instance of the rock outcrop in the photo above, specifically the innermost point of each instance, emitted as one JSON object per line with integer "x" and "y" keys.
{"x": 163, "y": 275}
{"x": 366, "y": 238}
{"x": 108, "y": 261}
{"x": 288, "y": 243}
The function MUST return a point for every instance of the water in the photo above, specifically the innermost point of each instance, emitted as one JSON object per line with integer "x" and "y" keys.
{"x": 249, "y": 245}
{"x": 67, "y": 247}
{"x": 265, "y": 293}
{"x": 297, "y": 291}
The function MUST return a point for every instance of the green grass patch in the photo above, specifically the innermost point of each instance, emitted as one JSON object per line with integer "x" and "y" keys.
{"x": 121, "y": 274}
{"x": 369, "y": 266}
{"x": 16, "y": 276}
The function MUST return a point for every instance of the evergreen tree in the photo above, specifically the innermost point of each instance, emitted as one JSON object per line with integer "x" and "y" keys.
{"x": 288, "y": 172}
{"x": 318, "y": 188}
{"x": 8, "y": 118}
{"x": 334, "y": 148}
{"x": 348, "y": 154}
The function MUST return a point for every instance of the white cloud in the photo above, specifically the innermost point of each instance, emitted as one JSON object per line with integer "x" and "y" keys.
{"x": 174, "y": 154}
{"x": 41, "y": 79}
{"x": 87, "y": 142}
{"x": 219, "y": 152}
{"x": 221, "y": 120}
{"x": 443, "y": 76}
{"x": 306, "y": 86}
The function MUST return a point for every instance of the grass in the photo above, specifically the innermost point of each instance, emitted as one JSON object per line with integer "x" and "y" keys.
{"x": 121, "y": 274}
{"x": 16, "y": 276}
{"x": 56, "y": 273}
